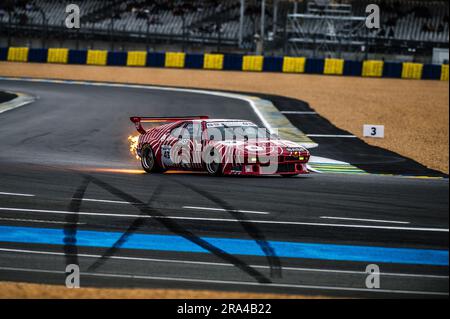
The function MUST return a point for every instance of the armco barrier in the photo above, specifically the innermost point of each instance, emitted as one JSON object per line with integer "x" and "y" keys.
{"x": 372, "y": 68}
{"x": 232, "y": 62}
{"x": 392, "y": 70}
{"x": 314, "y": 66}
{"x": 175, "y": 60}
{"x": 18, "y": 54}
{"x": 213, "y": 62}
{"x": 77, "y": 56}
{"x": 97, "y": 57}
{"x": 294, "y": 64}
{"x": 273, "y": 64}
{"x": 431, "y": 72}
{"x": 229, "y": 62}
{"x": 156, "y": 59}
{"x": 37, "y": 55}
{"x": 444, "y": 72}
{"x": 136, "y": 58}
{"x": 253, "y": 63}
{"x": 56, "y": 55}
{"x": 352, "y": 68}
{"x": 3, "y": 54}
{"x": 333, "y": 67}
{"x": 194, "y": 61}
{"x": 412, "y": 70}
{"x": 116, "y": 58}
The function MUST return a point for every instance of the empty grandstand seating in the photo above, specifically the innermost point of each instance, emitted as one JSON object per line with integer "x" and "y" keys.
{"x": 401, "y": 20}
{"x": 410, "y": 20}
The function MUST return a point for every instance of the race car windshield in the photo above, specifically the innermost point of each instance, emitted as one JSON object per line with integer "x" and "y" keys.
{"x": 226, "y": 132}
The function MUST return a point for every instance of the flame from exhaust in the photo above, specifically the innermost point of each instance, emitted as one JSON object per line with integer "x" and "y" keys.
{"x": 134, "y": 141}
{"x": 117, "y": 170}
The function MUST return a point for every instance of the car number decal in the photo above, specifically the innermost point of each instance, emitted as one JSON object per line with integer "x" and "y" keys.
{"x": 165, "y": 155}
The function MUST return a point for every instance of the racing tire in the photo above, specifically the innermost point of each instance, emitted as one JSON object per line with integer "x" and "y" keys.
{"x": 213, "y": 164}
{"x": 148, "y": 161}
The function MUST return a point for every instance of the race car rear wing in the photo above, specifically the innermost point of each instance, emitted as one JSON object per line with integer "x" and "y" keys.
{"x": 139, "y": 120}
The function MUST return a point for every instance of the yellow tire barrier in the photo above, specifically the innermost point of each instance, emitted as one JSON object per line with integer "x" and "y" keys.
{"x": 412, "y": 70}
{"x": 136, "y": 58}
{"x": 294, "y": 65}
{"x": 334, "y": 66}
{"x": 213, "y": 61}
{"x": 253, "y": 63}
{"x": 97, "y": 57}
{"x": 175, "y": 60}
{"x": 372, "y": 68}
{"x": 444, "y": 72}
{"x": 18, "y": 54}
{"x": 57, "y": 55}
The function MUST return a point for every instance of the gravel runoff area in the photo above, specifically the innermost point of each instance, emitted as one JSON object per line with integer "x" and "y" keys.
{"x": 36, "y": 291}
{"x": 415, "y": 113}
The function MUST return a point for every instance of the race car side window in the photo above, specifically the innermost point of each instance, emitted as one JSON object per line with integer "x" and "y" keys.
{"x": 178, "y": 131}
{"x": 186, "y": 131}
{"x": 190, "y": 129}
{"x": 195, "y": 130}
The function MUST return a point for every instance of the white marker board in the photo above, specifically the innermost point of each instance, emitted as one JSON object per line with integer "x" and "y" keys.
{"x": 370, "y": 130}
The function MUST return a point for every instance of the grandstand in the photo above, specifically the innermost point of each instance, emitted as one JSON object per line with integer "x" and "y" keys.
{"x": 413, "y": 20}
{"x": 289, "y": 27}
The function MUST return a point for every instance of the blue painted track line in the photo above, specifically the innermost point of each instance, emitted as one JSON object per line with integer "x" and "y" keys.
{"x": 87, "y": 238}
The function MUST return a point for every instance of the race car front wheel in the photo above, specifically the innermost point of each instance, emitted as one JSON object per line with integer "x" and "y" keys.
{"x": 148, "y": 161}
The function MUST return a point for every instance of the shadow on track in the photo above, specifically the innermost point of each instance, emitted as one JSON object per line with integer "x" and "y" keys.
{"x": 70, "y": 228}
{"x": 250, "y": 228}
{"x": 135, "y": 225}
{"x": 159, "y": 217}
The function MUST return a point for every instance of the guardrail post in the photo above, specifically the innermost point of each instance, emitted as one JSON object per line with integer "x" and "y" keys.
{"x": 9, "y": 27}
{"x": 241, "y": 24}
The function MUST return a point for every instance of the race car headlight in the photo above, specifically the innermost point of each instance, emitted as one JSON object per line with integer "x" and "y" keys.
{"x": 252, "y": 159}
{"x": 295, "y": 149}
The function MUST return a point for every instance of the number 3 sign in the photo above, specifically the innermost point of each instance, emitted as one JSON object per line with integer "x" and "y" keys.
{"x": 373, "y": 130}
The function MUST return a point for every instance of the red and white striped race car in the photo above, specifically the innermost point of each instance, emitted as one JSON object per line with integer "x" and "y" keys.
{"x": 217, "y": 146}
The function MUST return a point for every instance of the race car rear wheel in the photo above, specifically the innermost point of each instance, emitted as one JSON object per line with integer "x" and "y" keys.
{"x": 148, "y": 161}
{"x": 213, "y": 163}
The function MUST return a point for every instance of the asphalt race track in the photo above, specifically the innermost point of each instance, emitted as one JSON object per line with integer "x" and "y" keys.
{"x": 70, "y": 193}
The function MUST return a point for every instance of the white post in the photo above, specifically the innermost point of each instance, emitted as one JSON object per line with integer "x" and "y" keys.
{"x": 263, "y": 21}
{"x": 241, "y": 24}
{"x": 275, "y": 16}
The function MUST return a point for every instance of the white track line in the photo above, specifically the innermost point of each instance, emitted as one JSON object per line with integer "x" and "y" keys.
{"x": 229, "y": 282}
{"x": 204, "y": 263}
{"x": 39, "y": 221}
{"x": 225, "y": 220}
{"x": 299, "y": 112}
{"x": 225, "y": 210}
{"x": 102, "y": 201}
{"x": 365, "y": 220}
{"x": 16, "y": 194}
{"x": 330, "y": 135}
